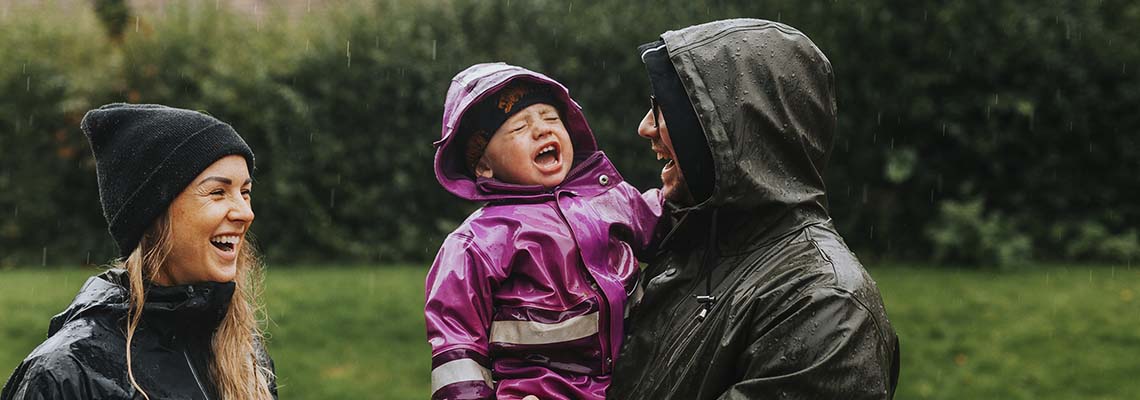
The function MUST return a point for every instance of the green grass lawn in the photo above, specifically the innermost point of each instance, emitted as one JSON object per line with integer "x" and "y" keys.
{"x": 1042, "y": 333}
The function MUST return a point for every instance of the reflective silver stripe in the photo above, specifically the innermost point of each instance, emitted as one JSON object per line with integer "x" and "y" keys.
{"x": 530, "y": 332}
{"x": 461, "y": 370}
{"x": 647, "y": 51}
{"x": 633, "y": 298}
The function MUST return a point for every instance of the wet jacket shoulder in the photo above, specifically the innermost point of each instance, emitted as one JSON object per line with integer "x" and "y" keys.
{"x": 791, "y": 312}
{"x": 84, "y": 356}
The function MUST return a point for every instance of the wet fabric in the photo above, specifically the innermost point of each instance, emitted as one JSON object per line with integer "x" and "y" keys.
{"x": 528, "y": 295}
{"x": 793, "y": 315}
{"x": 84, "y": 356}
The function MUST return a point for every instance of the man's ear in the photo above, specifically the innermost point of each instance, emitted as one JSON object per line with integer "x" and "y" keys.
{"x": 483, "y": 168}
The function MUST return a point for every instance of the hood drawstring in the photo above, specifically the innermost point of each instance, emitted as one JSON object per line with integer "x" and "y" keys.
{"x": 708, "y": 300}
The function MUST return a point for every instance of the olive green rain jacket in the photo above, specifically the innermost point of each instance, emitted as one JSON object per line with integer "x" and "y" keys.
{"x": 795, "y": 314}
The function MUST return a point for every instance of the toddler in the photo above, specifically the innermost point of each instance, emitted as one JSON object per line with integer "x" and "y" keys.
{"x": 528, "y": 296}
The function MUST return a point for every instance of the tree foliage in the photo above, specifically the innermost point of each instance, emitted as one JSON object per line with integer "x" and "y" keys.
{"x": 1009, "y": 121}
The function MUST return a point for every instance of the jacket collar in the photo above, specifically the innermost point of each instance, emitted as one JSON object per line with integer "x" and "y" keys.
{"x": 589, "y": 176}
{"x": 190, "y": 310}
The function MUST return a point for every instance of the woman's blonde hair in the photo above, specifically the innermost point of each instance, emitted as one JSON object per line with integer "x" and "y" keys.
{"x": 235, "y": 367}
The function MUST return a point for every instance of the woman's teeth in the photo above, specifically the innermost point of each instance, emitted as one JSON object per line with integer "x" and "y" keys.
{"x": 225, "y": 242}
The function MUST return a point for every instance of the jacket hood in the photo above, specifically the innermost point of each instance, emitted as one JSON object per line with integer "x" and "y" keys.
{"x": 764, "y": 95}
{"x": 470, "y": 86}
{"x": 197, "y": 307}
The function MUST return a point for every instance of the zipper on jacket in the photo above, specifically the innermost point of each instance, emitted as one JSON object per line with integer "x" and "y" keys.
{"x": 604, "y": 325}
{"x": 195, "y": 374}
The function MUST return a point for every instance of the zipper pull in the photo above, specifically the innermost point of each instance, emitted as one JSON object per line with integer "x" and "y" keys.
{"x": 706, "y": 305}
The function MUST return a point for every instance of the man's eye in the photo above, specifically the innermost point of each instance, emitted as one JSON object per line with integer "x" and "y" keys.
{"x": 217, "y": 192}
{"x": 552, "y": 118}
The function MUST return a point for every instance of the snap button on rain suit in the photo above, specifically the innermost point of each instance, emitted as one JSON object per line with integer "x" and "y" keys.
{"x": 795, "y": 314}
{"x": 528, "y": 295}
{"x": 84, "y": 356}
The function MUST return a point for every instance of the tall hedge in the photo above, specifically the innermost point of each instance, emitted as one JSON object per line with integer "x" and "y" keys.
{"x": 969, "y": 132}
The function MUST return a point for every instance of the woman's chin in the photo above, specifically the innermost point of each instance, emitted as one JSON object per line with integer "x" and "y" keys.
{"x": 223, "y": 273}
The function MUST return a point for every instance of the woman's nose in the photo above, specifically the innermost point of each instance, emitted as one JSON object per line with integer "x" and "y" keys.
{"x": 242, "y": 211}
{"x": 647, "y": 129}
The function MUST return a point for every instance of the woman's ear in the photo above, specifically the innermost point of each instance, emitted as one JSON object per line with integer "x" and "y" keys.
{"x": 483, "y": 168}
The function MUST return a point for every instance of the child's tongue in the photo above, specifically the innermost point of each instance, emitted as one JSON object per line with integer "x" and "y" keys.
{"x": 548, "y": 158}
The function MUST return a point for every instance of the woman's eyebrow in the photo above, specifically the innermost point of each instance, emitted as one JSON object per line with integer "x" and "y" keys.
{"x": 223, "y": 180}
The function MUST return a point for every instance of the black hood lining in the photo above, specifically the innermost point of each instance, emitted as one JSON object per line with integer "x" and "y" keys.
{"x": 685, "y": 131}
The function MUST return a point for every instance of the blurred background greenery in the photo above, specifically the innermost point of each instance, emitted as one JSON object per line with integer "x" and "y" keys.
{"x": 985, "y": 155}
{"x": 970, "y": 132}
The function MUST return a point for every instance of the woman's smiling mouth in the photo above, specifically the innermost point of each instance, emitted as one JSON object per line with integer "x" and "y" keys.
{"x": 225, "y": 243}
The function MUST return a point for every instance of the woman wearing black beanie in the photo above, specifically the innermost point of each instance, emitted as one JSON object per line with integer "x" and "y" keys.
{"x": 176, "y": 315}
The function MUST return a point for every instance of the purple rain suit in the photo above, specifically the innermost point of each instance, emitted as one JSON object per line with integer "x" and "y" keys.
{"x": 529, "y": 294}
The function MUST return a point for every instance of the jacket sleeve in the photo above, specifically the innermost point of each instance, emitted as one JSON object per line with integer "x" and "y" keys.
{"x": 31, "y": 381}
{"x": 826, "y": 345}
{"x": 645, "y": 210}
{"x": 458, "y": 312}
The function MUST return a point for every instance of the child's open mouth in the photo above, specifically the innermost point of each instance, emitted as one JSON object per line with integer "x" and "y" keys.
{"x": 548, "y": 156}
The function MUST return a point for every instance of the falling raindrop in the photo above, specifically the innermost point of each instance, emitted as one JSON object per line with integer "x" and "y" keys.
{"x": 433, "y": 49}
{"x": 43, "y": 261}
{"x": 136, "y": 24}
{"x": 332, "y": 198}
{"x": 348, "y": 52}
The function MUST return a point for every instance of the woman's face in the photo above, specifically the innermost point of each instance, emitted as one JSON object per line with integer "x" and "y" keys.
{"x": 208, "y": 222}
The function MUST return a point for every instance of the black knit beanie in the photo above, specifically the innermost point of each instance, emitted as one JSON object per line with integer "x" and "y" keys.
{"x": 689, "y": 143}
{"x": 146, "y": 154}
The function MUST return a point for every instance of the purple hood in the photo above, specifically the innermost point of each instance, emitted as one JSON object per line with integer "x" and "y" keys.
{"x": 467, "y": 89}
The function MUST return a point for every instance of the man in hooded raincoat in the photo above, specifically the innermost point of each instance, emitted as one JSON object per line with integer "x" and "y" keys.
{"x": 755, "y": 295}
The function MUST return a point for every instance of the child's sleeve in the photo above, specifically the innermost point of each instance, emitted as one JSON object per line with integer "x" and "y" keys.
{"x": 458, "y": 314}
{"x": 645, "y": 215}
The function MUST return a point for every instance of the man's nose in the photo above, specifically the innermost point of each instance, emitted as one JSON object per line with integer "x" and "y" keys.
{"x": 647, "y": 129}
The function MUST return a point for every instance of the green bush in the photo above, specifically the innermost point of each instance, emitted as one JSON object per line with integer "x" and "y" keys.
{"x": 1025, "y": 108}
{"x": 965, "y": 233}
